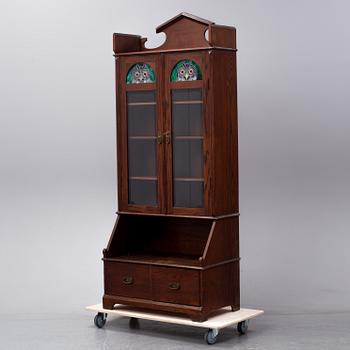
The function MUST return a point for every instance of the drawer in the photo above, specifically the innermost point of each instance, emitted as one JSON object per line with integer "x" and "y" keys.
{"x": 127, "y": 280}
{"x": 173, "y": 285}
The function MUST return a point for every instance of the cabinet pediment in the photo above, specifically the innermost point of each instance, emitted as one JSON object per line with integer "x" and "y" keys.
{"x": 181, "y": 17}
{"x": 184, "y": 31}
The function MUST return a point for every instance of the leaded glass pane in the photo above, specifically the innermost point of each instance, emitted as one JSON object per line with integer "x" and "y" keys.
{"x": 185, "y": 70}
{"x": 140, "y": 73}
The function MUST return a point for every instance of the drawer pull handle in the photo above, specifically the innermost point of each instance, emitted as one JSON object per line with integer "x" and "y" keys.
{"x": 128, "y": 280}
{"x": 174, "y": 285}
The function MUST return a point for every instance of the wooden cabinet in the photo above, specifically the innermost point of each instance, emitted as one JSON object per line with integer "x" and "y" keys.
{"x": 176, "y": 236}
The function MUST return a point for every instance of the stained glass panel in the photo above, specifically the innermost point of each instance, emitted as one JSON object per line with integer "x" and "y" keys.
{"x": 140, "y": 73}
{"x": 185, "y": 70}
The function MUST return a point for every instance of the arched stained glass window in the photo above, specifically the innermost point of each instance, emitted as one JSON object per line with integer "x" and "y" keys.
{"x": 185, "y": 70}
{"x": 140, "y": 73}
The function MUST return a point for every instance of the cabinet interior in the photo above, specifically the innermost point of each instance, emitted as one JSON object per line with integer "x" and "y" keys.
{"x": 156, "y": 239}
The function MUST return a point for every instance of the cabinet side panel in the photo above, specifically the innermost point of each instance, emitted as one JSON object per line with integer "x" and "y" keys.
{"x": 118, "y": 240}
{"x": 224, "y": 242}
{"x": 221, "y": 287}
{"x": 225, "y": 138}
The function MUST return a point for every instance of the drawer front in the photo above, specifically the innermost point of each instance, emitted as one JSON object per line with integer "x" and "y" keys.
{"x": 173, "y": 285}
{"x": 127, "y": 280}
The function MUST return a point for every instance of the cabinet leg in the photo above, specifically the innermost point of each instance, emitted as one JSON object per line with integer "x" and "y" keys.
{"x": 234, "y": 308}
{"x": 199, "y": 318}
{"x": 108, "y": 303}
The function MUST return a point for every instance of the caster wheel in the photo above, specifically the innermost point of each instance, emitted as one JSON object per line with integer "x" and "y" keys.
{"x": 242, "y": 327}
{"x": 134, "y": 323}
{"x": 211, "y": 336}
{"x": 100, "y": 320}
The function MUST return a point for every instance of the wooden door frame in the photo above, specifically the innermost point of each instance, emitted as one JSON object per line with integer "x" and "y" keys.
{"x": 202, "y": 59}
{"x": 123, "y": 64}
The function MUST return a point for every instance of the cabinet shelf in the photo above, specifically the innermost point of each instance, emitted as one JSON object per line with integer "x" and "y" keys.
{"x": 188, "y": 137}
{"x": 148, "y": 178}
{"x": 142, "y": 103}
{"x": 188, "y": 102}
{"x": 168, "y": 260}
{"x": 141, "y": 137}
{"x": 188, "y": 179}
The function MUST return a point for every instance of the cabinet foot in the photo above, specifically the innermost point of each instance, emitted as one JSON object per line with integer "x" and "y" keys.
{"x": 199, "y": 318}
{"x": 108, "y": 303}
{"x": 234, "y": 308}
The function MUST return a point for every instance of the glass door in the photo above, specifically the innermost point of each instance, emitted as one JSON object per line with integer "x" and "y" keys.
{"x": 140, "y": 147}
{"x": 186, "y": 136}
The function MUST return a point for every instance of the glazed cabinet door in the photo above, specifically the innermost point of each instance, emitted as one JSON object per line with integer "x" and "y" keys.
{"x": 139, "y": 138}
{"x": 187, "y": 135}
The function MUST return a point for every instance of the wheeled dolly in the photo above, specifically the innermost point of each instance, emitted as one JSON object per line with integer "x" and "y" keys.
{"x": 221, "y": 319}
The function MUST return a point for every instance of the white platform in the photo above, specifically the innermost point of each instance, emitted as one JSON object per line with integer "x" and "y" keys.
{"x": 221, "y": 319}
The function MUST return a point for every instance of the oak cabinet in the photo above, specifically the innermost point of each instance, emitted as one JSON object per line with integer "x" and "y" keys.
{"x": 176, "y": 235}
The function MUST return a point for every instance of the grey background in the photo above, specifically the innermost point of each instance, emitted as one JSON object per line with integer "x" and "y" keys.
{"x": 57, "y": 148}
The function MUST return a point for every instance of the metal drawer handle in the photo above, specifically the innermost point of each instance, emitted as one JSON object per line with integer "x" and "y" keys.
{"x": 128, "y": 280}
{"x": 174, "y": 285}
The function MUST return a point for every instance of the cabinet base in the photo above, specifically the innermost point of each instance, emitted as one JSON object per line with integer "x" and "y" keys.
{"x": 195, "y": 313}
